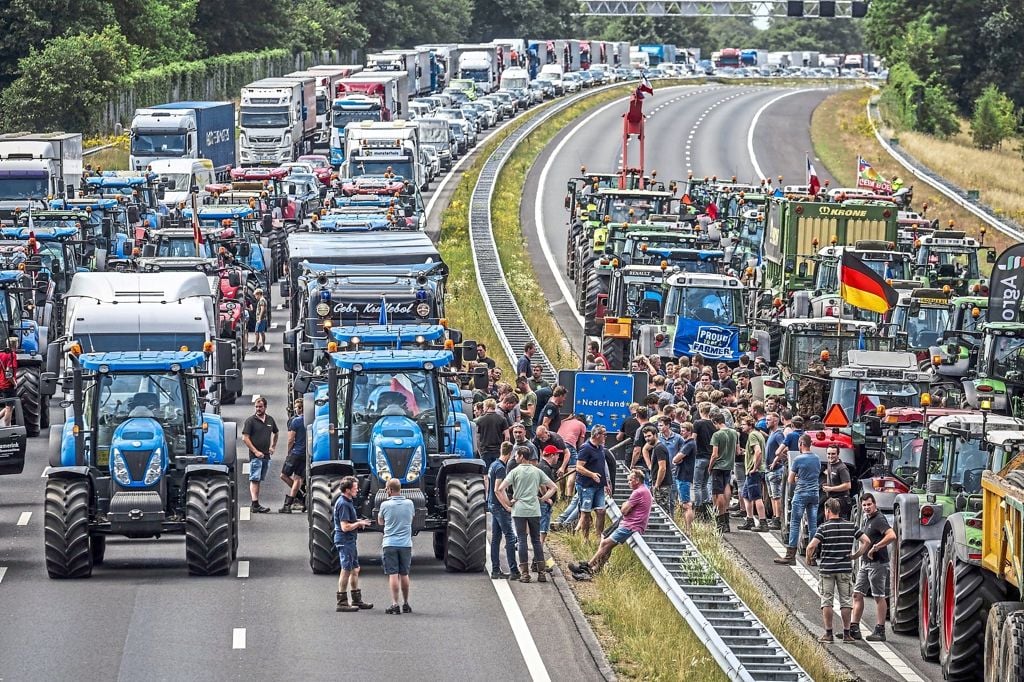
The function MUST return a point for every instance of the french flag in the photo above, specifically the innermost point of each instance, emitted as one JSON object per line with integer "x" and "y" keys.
{"x": 644, "y": 87}
{"x": 813, "y": 183}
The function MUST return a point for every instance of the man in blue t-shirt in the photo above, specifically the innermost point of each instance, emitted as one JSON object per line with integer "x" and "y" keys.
{"x": 346, "y": 526}
{"x": 591, "y": 480}
{"x": 804, "y": 478}
{"x": 294, "y": 469}
{"x": 396, "y": 516}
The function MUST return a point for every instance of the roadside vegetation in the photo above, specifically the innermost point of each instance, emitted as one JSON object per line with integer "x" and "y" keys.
{"x": 114, "y": 157}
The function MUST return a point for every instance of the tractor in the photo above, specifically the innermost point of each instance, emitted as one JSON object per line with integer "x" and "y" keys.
{"x": 29, "y": 340}
{"x": 138, "y": 457}
{"x": 949, "y": 258}
{"x": 386, "y": 414}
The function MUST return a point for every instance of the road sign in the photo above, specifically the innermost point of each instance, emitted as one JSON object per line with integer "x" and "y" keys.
{"x": 836, "y": 417}
{"x": 603, "y": 398}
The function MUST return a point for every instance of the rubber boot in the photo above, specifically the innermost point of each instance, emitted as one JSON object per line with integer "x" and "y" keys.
{"x": 286, "y": 508}
{"x": 524, "y": 572}
{"x": 542, "y": 574}
{"x": 343, "y": 605}
{"x": 789, "y": 559}
{"x": 357, "y": 600}
{"x": 723, "y": 523}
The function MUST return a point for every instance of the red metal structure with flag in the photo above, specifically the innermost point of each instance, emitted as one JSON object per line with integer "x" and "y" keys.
{"x": 633, "y": 124}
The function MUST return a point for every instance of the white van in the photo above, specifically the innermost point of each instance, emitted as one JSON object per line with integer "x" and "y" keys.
{"x": 179, "y": 176}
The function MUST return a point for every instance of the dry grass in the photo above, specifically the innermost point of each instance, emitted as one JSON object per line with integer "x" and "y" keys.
{"x": 840, "y": 131}
{"x": 775, "y": 616}
{"x": 642, "y": 634}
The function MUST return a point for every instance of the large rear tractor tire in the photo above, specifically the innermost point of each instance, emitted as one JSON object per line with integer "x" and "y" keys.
{"x": 906, "y": 565}
{"x": 27, "y": 387}
{"x": 616, "y": 352}
{"x": 208, "y": 527}
{"x": 1012, "y": 660}
{"x": 927, "y": 616}
{"x": 994, "y": 642}
{"x": 966, "y": 596}
{"x": 323, "y": 493}
{"x": 466, "y": 543}
{"x": 66, "y": 528}
{"x": 595, "y": 286}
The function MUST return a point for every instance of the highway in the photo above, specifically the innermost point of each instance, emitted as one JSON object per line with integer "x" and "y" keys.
{"x": 712, "y": 129}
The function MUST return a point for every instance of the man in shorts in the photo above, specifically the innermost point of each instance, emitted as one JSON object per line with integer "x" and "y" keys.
{"x": 262, "y": 316}
{"x": 724, "y": 443}
{"x": 346, "y": 527}
{"x": 294, "y": 469}
{"x": 754, "y": 479}
{"x": 683, "y": 462}
{"x": 396, "y": 515}
{"x": 875, "y": 534}
{"x": 835, "y": 539}
{"x": 635, "y": 513}
{"x": 591, "y": 480}
{"x": 259, "y": 434}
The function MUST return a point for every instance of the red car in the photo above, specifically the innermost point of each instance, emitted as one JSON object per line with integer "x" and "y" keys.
{"x": 321, "y": 167}
{"x": 372, "y": 184}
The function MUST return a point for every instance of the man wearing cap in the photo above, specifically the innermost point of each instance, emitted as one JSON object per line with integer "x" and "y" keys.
{"x": 551, "y": 456}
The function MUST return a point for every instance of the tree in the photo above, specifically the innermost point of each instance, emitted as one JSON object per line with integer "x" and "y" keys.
{"x": 65, "y": 85}
{"x": 994, "y": 118}
{"x": 225, "y": 26}
{"x": 325, "y": 25}
{"x": 156, "y": 25}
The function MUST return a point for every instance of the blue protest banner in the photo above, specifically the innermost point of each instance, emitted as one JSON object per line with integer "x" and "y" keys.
{"x": 710, "y": 341}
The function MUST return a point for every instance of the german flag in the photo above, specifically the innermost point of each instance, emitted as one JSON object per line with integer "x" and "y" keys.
{"x": 863, "y": 287}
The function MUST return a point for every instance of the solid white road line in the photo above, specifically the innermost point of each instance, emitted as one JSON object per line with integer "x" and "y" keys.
{"x": 274, "y": 325}
{"x": 238, "y": 638}
{"x": 267, "y": 347}
{"x": 24, "y": 518}
{"x": 527, "y": 645}
{"x": 260, "y": 371}
{"x": 3, "y": 572}
{"x": 753, "y": 125}
{"x": 245, "y": 513}
{"x": 243, "y": 569}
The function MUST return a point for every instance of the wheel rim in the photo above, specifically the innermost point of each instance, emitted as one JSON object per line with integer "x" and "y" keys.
{"x": 923, "y": 606}
{"x": 948, "y": 608}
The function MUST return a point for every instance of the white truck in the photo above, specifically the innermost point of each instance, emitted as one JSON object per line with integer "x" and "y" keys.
{"x": 127, "y": 311}
{"x": 184, "y": 130}
{"x": 277, "y": 119}
{"x": 391, "y": 86}
{"x": 180, "y": 176}
{"x": 515, "y": 77}
{"x": 639, "y": 59}
{"x": 374, "y": 148}
{"x": 326, "y": 79}
{"x": 479, "y": 63}
{"x": 34, "y": 166}
{"x": 417, "y": 63}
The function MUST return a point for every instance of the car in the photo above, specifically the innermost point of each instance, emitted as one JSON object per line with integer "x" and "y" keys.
{"x": 459, "y": 97}
{"x": 601, "y": 74}
{"x": 506, "y": 102}
{"x": 557, "y": 85}
{"x": 523, "y": 98}
{"x": 303, "y": 191}
{"x": 473, "y": 116}
{"x": 321, "y": 165}
{"x": 586, "y": 77}
{"x": 489, "y": 110}
{"x": 461, "y": 137}
{"x": 431, "y": 160}
{"x": 418, "y": 109}
{"x": 544, "y": 87}
{"x": 572, "y": 82}
{"x": 485, "y": 118}
{"x": 297, "y": 167}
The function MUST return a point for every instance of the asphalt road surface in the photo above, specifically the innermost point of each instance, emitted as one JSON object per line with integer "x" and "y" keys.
{"x": 712, "y": 130}
{"x": 140, "y": 616}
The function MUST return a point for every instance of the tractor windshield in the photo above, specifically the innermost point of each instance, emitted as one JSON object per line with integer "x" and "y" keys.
{"x": 115, "y": 398}
{"x": 52, "y": 254}
{"x": 923, "y": 328}
{"x": 618, "y": 208}
{"x": 408, "y": 393}
{"x": 182, "y": 248}
{"x": 1007, "y": 355}
{"x": 949, "y": 261}
{"x": 125, "y": 341}
{"x": 719, "y": 306}
{"x": 905, "y": 450}
{"x": 804, "y": 348}
{"x": 859, "y": 398}
{"x": 970, "y": 459}
{"x": 643, "y": 300}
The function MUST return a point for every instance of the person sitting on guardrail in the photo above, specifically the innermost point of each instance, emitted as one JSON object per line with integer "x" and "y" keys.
{"x": 635, "y": 514}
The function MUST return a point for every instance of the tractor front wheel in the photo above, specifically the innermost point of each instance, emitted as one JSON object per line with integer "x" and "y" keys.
{"x": 27, "y": 388}
{"x": 323, "y": 493}
{"x": 208, "y": 527}
{"x": 906, "y": 564}
{"x": 966, "y": 596}
{"x": 466, "y": 542}
{"x": 66, "y": 528}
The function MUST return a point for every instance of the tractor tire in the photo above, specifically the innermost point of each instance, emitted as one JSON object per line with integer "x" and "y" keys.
{"x": 440, "y": 544}
{"x": 994, "y": 642}
{"x": 906, "y": 564}
{"x": 466, "y": 540}
{"x": 66, "y": 528}
{"x": 927, "y": 616}
{"x": 208, "y": 527}
{"x": 98, "y": 548}
{"x": 616, "y": 352}
{"x": 595, "y": 286}
{"x": 1012, "y": 640}
{"x": 323, "y": 493}
{"x": 965, "y": 596}
{"x": 27, "y": 387}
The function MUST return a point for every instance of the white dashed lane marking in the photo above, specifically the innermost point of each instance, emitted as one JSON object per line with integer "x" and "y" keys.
{"x": 24, "y": 518}
{"x": 243, "y": 569}
{"x": 260, "y": 371}
{"x": 238, "y": 638}
{"x": 245, "y": 514}
{"x": 3, "y": 572}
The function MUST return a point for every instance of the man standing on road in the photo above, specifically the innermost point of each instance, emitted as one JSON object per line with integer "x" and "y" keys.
{"x": 635, "y": 513}
{"x": 835, "y": 537}
{"x": 656, "y": 455}
{"x": 724, "y": 443}
{"x": 837, "y": 481}
{"x": 683, "y": 462}
{"x": 531, "y": 488}
{"x": 259, "y": 433}
{"x": 396, "y": 515}
{"x": 294, "y": 469}
{"x": 703, "y": 430}
{"x": 346, "y": 526}
{"x": 501, "y": 519}
{"x": 776, "y": 469}
{"x": 753, "y": 481}
{"x": 523, "y": 366}
{"x": 262, "y": 314}
{"x": 491, "y": 430}
{"x": 875, "y": 535}
{"x": 481, "y": 356}
{"x": 804, "y": 471}
{"x": 591, "y": 483}
{"x": 527, "y": 404}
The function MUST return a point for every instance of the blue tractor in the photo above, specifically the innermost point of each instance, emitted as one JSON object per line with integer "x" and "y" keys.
{"x": 243, "y": 220}
{"x": 52, "y": 260}
{"x": 385, "y": 414}
{"x": 138, "y": 457}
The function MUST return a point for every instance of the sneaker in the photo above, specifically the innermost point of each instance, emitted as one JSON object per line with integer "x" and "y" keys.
{"x": 406, "y": 608}
{"x": 254, "y": 349}
{"x": 393, "y": 610}
{"x": 582, "y": 567}
{"x": 738, "y": 514}
{"x": 498, "y": 575}
{"x": 746, "y": 525}
{"x": 285, "y": 509}
{"x": 774, "y": 524}
{"x": 877, "y": 636}
{"x": 761, "y": 527}
{"x": 514, "y": 575}
{"x": 847, "y": 638}
{"x": 855, "y": 631}
{"x": 257, "y": 508}
{"x": 582, "y": 577}
{"x": 827, "y": 638}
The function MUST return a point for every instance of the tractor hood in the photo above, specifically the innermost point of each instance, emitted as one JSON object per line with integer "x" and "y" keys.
{"x": 138, "y": 453}
{"x": 396, "y": 444}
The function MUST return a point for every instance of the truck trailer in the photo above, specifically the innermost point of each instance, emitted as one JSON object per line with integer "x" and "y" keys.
{"x": 184, "y": 130}
{"x": 34, "y": 166}
{"x": 277, "y": 120}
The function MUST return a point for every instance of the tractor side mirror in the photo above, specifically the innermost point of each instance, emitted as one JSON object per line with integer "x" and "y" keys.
{"x": 306, "y": 353}
{"x": 990, "y": 256}
{"x": 480, "y": 378}
{"x": 161, "y": 192}
{"x": 568, "y": 201}
{"x": 244, "y": 250}
{"x": 234, "y": 279}
{"x": 133, "y": 214}
{"x": 233, "y": 381}
{"x": 301, "y": 383}
{"x": 290, "y": 365}
{"x": 48, "y": 384}
{"x": 802, "y": 270}
{"x": 148, "y": 250}
{"x": 469, "y": 350}
{"x": 53, "y": 357}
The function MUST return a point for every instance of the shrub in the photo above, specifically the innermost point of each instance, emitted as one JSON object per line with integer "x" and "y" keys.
{"x": 994, "y": 118}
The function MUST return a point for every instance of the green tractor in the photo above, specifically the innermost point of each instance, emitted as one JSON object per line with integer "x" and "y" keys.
{"x": 1000, "y": 369}
{"x": 949, "y": 258}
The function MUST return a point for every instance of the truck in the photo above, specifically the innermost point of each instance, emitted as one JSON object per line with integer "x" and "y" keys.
{"x": 639, "y": 59}
{"x": 349, "y": 109}
{"x": 277, "y": 119}
{"x": 728, "y": 57}
{"x": 377, "y": 148}
{"x": 443, "y": 66}
{"x": 180, "y": 177}
{"x": 754, "y": 57}
{"x": 139, "y": 457}
{"x": 417, "y": 63}
{"x": 389, "y": 87}
{"x": 797, "y": 229}
{"x": 660, "y": 53}
{"x": 326, "y": 83}
{"x": 514, "y": 77}
{"x": 184, "y": 130}
{"x": 34, "y": 166}
{"x": 479, "y": 63}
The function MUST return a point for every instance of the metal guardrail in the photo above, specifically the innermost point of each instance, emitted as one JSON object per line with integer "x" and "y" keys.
{"x": 93, "y": 150}
{"x": 739, "y": 642}
{"x": 951, "y": 191}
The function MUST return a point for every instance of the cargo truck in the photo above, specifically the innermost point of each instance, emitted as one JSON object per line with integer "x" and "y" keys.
{"x": 479, "y": 63}
{"x": 659, "y": 54}
{"x": 326, "y": 82}
{"x": 378, "y": 148}
{"x": 393, "y": 89}
{"x": 348, "y": 109}
{"x": 416, "y": 63}
{"x": 277, "y": 120}
{"x": 184, "y": 130}
{"x": 34, "y": 166}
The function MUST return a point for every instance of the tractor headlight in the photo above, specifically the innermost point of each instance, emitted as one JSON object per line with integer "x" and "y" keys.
{"x": 423, "y": 309}
{"x": 383, "y": 466}
{"x": 416, "y": 466}
{"x": 154, "y": 469}
{"x": 121, "y": 474}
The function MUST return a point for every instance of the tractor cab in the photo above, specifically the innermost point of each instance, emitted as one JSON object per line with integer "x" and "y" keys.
{"x": 705, "y": 314}
{"x": 918, "y": 320}
{"x": 958, "y": 451}
{"x": 881, "y": 257}
{"x": 685, "y": 251}
{"x": 1000, "y": 372}
{"x": 949, "y": 258}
